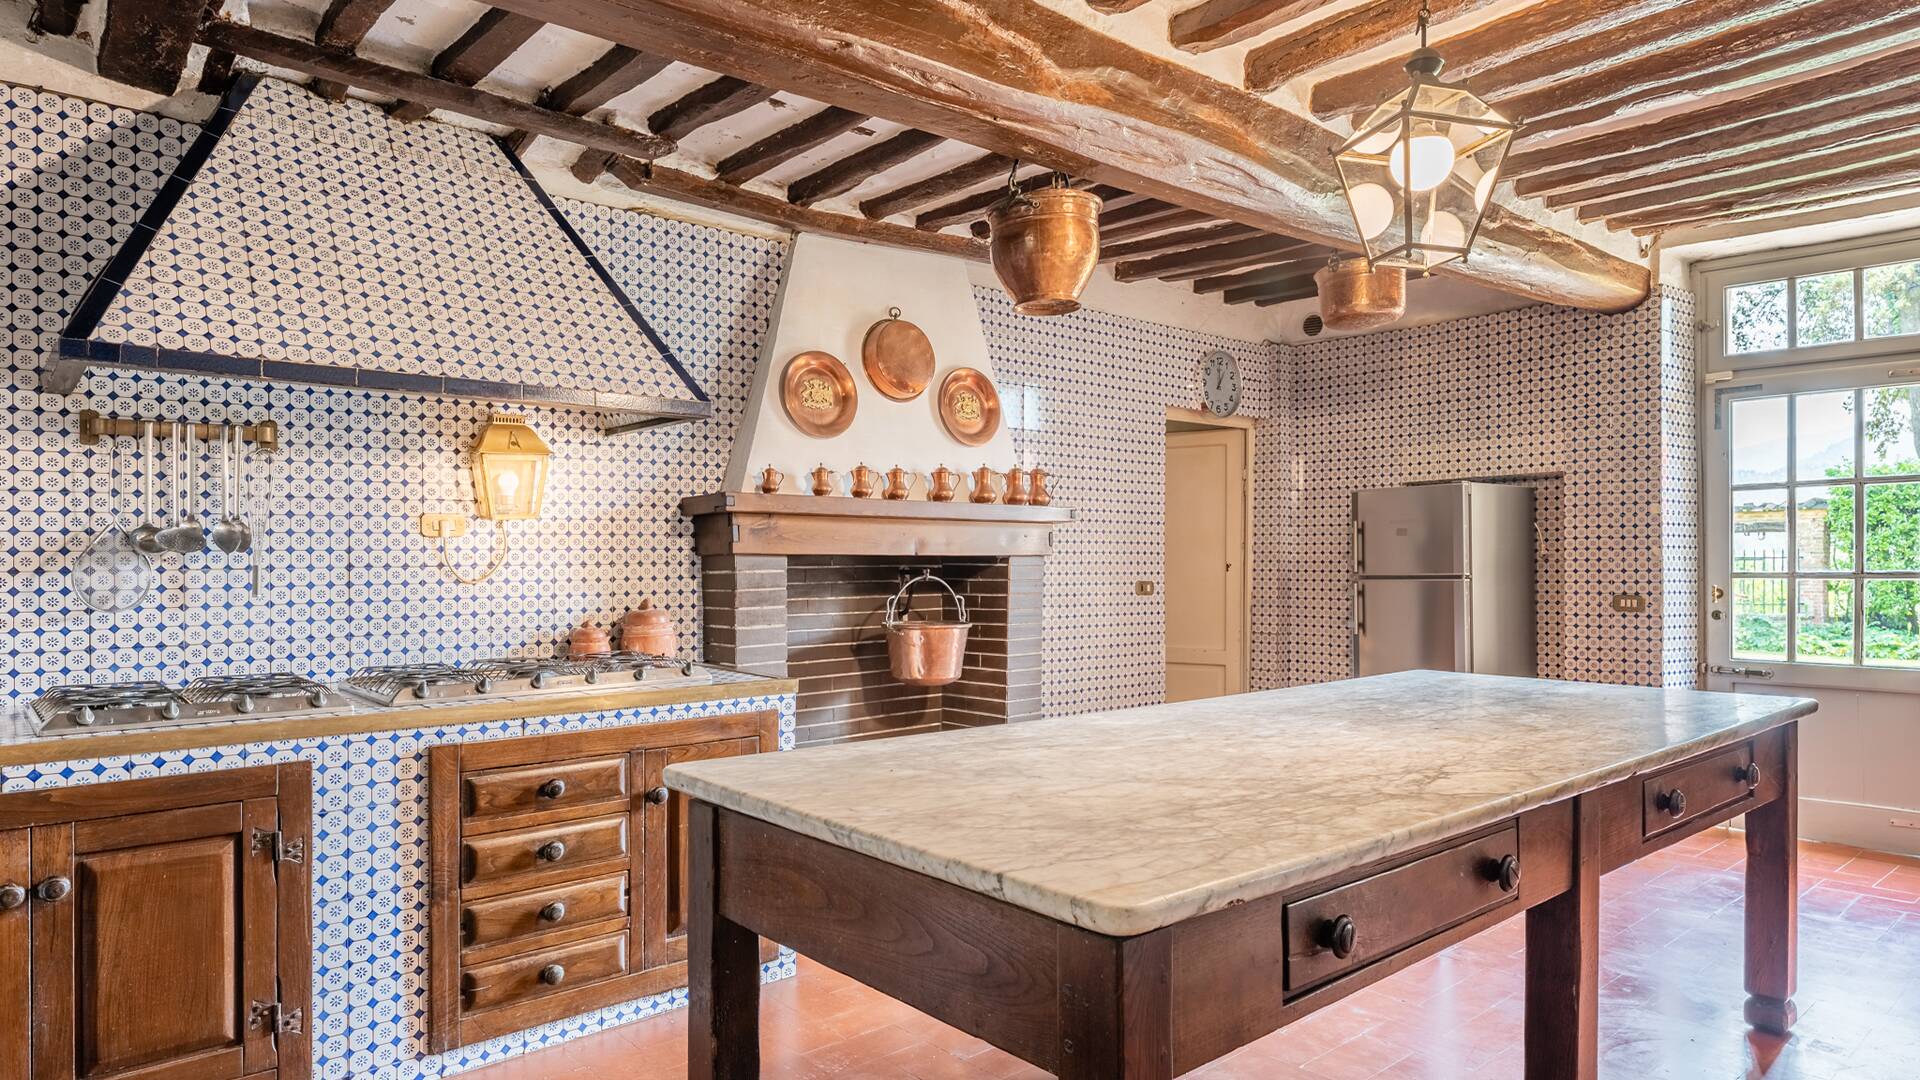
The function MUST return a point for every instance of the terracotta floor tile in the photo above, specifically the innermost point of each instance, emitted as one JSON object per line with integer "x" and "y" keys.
{"x": 1670, "y": 1002}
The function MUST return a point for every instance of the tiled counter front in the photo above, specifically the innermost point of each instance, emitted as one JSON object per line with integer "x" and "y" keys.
{"x": 369, "y": 870}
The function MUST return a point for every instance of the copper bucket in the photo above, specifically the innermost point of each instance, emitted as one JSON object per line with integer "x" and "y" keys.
{"x": 1354, "y": 296}
{"x": 1045, "y": 245}
{"x": 925, "y": 652}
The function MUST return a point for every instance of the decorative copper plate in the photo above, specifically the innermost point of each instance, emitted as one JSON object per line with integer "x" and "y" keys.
{"x": 898, "y": 357}
{"x": 969, "y": 406}
{"x": 819, "y": 394}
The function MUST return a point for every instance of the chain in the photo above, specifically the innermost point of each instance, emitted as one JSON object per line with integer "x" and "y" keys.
{"x": 1426, "y": 16}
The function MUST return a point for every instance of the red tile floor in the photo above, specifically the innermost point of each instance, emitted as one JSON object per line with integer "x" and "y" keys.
{"x": 1670, "y": 999}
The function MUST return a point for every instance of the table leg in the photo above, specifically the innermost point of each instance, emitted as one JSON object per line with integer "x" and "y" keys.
{"x": 1773, "y": 898}
{"x": 1115, "y": 1002}
{"x": 1563, "y": 966}
{"x": 723, "y": 968}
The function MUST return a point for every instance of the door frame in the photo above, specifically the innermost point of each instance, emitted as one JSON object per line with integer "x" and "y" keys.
{"x": 1244, "y": 579}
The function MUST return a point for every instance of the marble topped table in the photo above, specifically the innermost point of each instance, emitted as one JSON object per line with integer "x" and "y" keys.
{"x": 1134, "y": 893}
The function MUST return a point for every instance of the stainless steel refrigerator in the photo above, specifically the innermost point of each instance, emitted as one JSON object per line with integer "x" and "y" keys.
{"x": 1443, "y": 579}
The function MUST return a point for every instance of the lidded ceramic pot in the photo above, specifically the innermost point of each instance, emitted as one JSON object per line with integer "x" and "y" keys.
{"x": 648, "y": 629}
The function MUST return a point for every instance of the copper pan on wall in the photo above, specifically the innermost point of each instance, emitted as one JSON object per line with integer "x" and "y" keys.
{"x": 898, "y": 357}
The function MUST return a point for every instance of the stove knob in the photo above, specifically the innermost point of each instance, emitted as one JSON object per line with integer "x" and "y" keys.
{"x": 317, "y": 699}
{"x": 485, "y": 685}
{"x": 541, "y": 679}
{"x": 171, "y": 710}
{"x": 593, "y": 675}
{"x": 245, "y": 704}
{"x": 84, "y": 717}
{"x": 639, "y": 673}
{"x": 420, "y": 689}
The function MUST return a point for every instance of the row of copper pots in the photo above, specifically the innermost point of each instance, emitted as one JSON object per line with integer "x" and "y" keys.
{"x": 645, "y": 629}
{"x": 1021, "y": 488}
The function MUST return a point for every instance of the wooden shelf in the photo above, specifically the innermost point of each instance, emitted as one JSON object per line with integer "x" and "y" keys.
{"x": 750, "y": 523}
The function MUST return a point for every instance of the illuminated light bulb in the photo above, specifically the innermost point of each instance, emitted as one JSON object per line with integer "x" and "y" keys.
{"x": 1377, "y": 142}
{"x": 1483, "y": 190}
{"x": 1444, "y": 230}
{"x": 1372, "y": 209}
{"x": 507, "y": 485}
{"x": 1432, "y": 160}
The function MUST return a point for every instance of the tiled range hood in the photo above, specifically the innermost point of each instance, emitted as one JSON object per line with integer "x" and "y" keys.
{"x": 303, "y": 241}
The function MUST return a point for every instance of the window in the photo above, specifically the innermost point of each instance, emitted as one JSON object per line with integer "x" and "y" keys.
{"x": 1824, "y": 537}
{"x": 1820, "y": 309}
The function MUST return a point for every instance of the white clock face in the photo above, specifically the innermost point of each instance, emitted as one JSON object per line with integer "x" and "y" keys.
{"x": 1220, "y": 383}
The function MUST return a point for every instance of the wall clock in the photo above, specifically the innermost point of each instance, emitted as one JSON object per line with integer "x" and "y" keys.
{"x": 1220, "y": 383}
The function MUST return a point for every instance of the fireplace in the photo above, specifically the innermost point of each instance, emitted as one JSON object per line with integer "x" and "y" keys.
{"x": 795, "y": 586}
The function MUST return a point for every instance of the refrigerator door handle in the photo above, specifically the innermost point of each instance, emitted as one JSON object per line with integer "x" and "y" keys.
{"x": 1359, "y": 545}
{"x": 1359, "y": 609}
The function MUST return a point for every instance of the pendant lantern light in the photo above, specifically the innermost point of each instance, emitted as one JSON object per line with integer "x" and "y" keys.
{"x": 1418, "y": 174}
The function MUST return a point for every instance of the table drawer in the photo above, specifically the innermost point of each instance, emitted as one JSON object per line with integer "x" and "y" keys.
{"x": 538, "y": 911}
{"x": 1675, "y": 796}
{"x": 1353, "y": 925}
{"x": 548, "y": 971}
{"x": 531, "y": 788}
{"x": 544, "y": 853}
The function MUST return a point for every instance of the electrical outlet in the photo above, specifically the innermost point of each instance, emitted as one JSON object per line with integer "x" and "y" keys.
{"x": 1904, "y": 822}
{"x": 1629, "y": 602}
{"x": 443, "y": 525}
{"x": 1143, "y": 588}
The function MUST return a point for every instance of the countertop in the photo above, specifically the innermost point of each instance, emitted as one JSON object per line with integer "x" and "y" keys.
{"x": 19, "y": 746}
{"x": 1123, "y": 822}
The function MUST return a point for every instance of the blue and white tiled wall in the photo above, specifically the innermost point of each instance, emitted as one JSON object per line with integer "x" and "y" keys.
{"x": 369, "y": 867}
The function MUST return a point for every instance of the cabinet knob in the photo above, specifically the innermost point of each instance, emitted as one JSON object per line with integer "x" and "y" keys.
{"x": 553, "y": 912}
{"x": 1506, "y": 872}
{"x": 1749, "y": 775}
{"x": 551, "y": 851}
{"x": 658, "y": 796}
{"x": 552, "y": 789}
{"x": 553, "y": 974}
{"x": 12, "y": 896}
{"x": 53, "y": 890}
{"x": 1341, "y": 936}
{"x": 1673, "y": 802}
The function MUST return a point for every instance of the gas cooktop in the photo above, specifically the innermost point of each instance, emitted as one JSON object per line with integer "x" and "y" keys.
{"x": 118, "y": 706}
{"x": 389, "y": 685}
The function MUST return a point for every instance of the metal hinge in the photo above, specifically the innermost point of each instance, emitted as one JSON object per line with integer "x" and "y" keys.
{"x": 1743, "y": 672}
{"x": 270, "y": 1015}
{"x": 285, "y": 849}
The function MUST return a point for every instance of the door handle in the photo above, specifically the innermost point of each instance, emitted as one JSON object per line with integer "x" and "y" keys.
{"x": 1359, "y": 609}
{"x": 1359, "y": 545}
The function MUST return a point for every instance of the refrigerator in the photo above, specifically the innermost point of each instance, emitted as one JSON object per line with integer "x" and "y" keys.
{"x": 1443, "y": 579}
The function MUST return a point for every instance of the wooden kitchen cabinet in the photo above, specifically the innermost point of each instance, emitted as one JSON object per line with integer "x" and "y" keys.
{"x": 157, "y": 929}
{"x": 558, "y": 867}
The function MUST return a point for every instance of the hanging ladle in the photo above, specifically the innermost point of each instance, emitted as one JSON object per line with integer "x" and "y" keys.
{"x": 143, "y": 534}
{"x": 184, "y": 535}
{"x": 229, "y": 533}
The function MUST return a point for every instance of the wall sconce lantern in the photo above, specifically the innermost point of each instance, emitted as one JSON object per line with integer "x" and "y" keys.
{"x": 509, "y": 469}
{"x": 1419, "y": 172}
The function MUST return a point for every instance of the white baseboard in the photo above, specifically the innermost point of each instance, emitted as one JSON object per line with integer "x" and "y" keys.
{"x": 1859, "y": 824}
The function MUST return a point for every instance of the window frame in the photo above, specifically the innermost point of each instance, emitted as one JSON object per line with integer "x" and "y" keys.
{"x": 1712, "y": 279}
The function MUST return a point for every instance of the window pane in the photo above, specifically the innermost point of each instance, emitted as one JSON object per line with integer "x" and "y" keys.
{"x": 1823, "y": 627}
{"x": 1823, "y": 309}
{"x": 1892, "y": 421}
{"x": 1890, "y": 296}
{"x": 1822, "y": 435}
{"x": 1893, "y": 623}
{"x": 1757, "y": 317}
{"x": 1893, "y": 526}
{"x": 1760, "y": 531}
{"x": 1757, "y": 440}
{"x": 1823, "y": 527}
{"x": 1760, "y": 618}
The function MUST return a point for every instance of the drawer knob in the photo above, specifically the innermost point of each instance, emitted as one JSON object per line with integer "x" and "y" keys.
{"x": 551, "y": 851}
{"x": 53, "y": 890}
{"x": 1748, "y": 774}
{"x": 1341, "y": 936}
{"x": 658, "y": 796}
{"x": 553, "y": 974}
{"x": 1673, "y": 802}
{"x": 12, "y": 896}
{"x": 552, "y": 789}
{"x": 553, "y": 912}
{"x": 1506, "y": 872}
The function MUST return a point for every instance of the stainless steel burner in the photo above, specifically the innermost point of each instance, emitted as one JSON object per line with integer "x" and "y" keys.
{"x": 275, "y": 692}
{"x": 65, "y": 710}
{"x": 518, "y": 675}
{"x": 390, "y": 683}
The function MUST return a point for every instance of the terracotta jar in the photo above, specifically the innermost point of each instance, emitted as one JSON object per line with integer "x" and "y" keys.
{"x": 864, "y": 481}
{"x": 899, "y": 483}
{"x": 589, "y": 640}
{"x": 945, "y": 483}
{"x": 647, "y": 629}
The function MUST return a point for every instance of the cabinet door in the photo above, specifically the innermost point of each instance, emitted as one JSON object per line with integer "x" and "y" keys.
{"x": 148, "y": 968}
{"x": 663, "y": 899}
{"x": 16, "y": 878}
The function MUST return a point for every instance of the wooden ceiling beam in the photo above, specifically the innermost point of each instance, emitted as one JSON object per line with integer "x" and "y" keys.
{"x": 1171, "y": 217}
{"x": 617, "y": 71}
{"x": 311, "y": 59}
{"x": 1795, "y": 42}
{"x": 342, "y": 26}
{"x": 1078, "y": 100}
{"x": 1114, "y": 7}
{"x": 1311, "y": 256}
{"x": 971, "y": 208}
{"x": 1759, "y": 120}
{"x": 1727, "y": 174}
{"x": 59, "y": 18}
{"x": 788, "y": 143}
{"x": 1262, "y": 276}
{"x": 938, "y": 186}
{"x": 1350, "y": 33}
{"x": 1285, "y": 298}
{"x": 856, "y": 168}
{"x": 1175, "y": 241}
{"x": 1209, "y": 258}
{"x": 485, "y": 45}
{"x": 1213, "y": 23}
{"x": 1906, "y": 189}
{"x": 145, "y": 43}
{"x": 723, "y": 97}
{"x": 1576, "y": 25}
{"x": 1898, "y": 168}
{"x": 1286, "y": 286}
{"x": 685, "y": 187}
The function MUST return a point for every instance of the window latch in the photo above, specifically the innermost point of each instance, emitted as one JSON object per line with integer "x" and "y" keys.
{"x": 1743, "y": 672}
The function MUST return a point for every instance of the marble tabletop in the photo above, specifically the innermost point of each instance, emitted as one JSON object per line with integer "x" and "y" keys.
{"x": 1123, "y": 822}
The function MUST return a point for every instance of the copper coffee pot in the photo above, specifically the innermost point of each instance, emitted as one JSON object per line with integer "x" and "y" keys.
{"x": 983, "y": 485}
{"x": 899, "y": 483}
{"x": 1016, "y": 486}
{"x": 945, "y": 482}
{"x": 770, "y": 480}
{"x": 1040, "y": 496}
{"x": 823, "y": 481}
{"x": 864, "y": 480}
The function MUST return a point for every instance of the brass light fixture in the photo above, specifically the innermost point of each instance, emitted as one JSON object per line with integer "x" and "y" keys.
{"x": 510, "y": 463}
{"x": 1419, "y": 172}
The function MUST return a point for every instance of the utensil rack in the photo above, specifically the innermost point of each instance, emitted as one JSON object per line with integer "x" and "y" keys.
{"x": 93, "y": 426}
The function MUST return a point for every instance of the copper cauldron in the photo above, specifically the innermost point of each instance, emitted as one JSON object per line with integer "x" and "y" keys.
{"x": 1354, "y": 297}
{"x": 1045, "y": 246}
{"x": 925, "y": 652}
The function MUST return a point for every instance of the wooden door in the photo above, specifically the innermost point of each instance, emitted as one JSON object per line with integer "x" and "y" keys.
{"x": 663, "y": 902}
{"x": 16, "y": 881}
{"x": 148, "y": 968}
{"x": 1206, "y": 572}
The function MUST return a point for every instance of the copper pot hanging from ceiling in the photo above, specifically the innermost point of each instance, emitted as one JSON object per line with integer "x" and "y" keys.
{"x": 1353, "y": 297}
{"x": 1045, "y": 245}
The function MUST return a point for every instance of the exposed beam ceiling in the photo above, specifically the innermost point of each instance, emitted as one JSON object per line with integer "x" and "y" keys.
{"x": 1297, "y": 285}
{"x": 1750, "y": 175}
{"x": 617, "y": 71}
{"x": 1152, "y": 217}
{"x": 493, "y": 37}
{"x": 343, "y": 26}
{"x": 975, "y": 206}
{"x": 788, "y": 143}
{"x": 856, "y": 168}
{"x": 723, "y": 97}
{"x": 145, "y": 43}
{"x": 1894, "y": 169}
{"x": 1212, "y": 257}
{"x": 1263, "y": 276}
{"x": 1348, "y": 34}
{"x": 1213, "y": 23}
{"x": 1174, "y": 241}
{"x": 938, "y": 186}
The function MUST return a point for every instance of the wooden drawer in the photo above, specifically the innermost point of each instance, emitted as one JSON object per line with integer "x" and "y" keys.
{"x": 534, "y": 788}
{"x": 522, "y": 858}
{"x": 1677, "y": 795}
{"x": 540, "y": 911}
{"x": 1395, "y": 908}
{"x": 547, "y": 971}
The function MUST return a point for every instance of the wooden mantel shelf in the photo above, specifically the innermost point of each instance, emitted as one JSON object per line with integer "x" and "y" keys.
{"x": 749, "y": 523}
